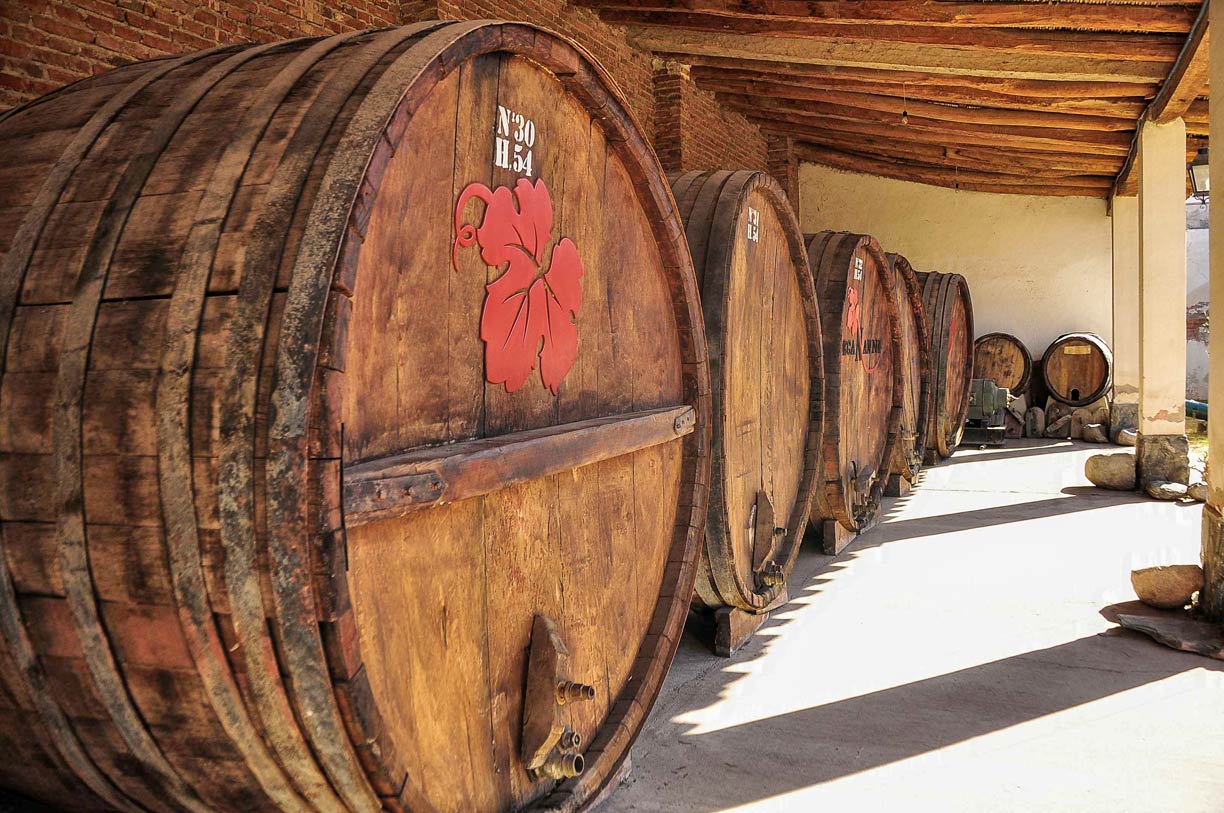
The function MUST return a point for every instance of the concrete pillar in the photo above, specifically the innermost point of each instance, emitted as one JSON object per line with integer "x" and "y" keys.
{"x": 1211, "y": 597}
{"x": 1125, "y": 412}
{"x": 1163, "y": 452}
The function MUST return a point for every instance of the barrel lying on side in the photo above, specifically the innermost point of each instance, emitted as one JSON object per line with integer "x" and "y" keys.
{"x": 1078, "y": 369}
{"x": 766, "y": 370}
{"x": 1003, "y": 359}
{"x": 863, "y": 380}
{"x": 915, "y": 360}
{"x": 352, "y": 452}
{"x": 949, "y": 311}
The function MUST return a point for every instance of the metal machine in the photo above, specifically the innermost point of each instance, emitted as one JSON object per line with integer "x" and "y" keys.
{"x": 986, "y": 422}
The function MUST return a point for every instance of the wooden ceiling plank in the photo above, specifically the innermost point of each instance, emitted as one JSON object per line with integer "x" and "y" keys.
{"x": 924, "y": 173}
{"x": 893, "y": 55}
{"x": 1118, "y": 142}
{"x": 1162, "y": 48}
{"x": 1188, "y": 78}
{"x": 814, "y": 89}
{"x": 1170, "y": 19}
{"x": 972, "y": 181}
{"x": 803, "y": 127}
{"x": 976, "y": 114}
{"x": 1052, "y": 87}
{"x": 1003, "y": 161}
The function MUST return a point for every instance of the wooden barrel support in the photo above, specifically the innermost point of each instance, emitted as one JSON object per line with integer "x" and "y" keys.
{"x": 1078, "y": 369}
{"x": 766, "y": 369}
{"x": 949, "y": 312}
{"x": 354, "y": 429}
{"x": 915, "y": 360}
{"x": 1003, "y": 359}
{"x": 864, "y": 381}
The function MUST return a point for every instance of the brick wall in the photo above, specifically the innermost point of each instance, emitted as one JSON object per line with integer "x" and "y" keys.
{"x": 693, "y": 131}
{"x": 47, "y": 43}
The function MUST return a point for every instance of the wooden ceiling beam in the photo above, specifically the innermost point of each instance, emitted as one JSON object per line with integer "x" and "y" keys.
{"x": 802, "y": 126}
{"x": 1173, "y": 19}
{"x": 897, "y": 55}
{"x": 1053, "y": 88}
{"x": 1086, "y": 186}
{"x": 1187, "y": 80}
{"x": 816, "y": 89}
{"x": 1162, "y": 48}
{"x": 1036, "y": 137}
{"x": 1197, "y": 119}
{"x": 1007, "y": 162}
{"x": 968, "y": 114}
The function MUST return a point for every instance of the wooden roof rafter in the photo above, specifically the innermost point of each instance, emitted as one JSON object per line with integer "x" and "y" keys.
{"x": 1171, "y": 18}
{"x": 1187, "y": 81}
{"x": 984, "y": 94}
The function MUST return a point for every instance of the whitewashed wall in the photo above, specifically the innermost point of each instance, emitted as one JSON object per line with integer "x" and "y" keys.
{"x": 1037, "y": 267}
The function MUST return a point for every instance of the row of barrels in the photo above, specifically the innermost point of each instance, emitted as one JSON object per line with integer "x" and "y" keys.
{"x": 373, "y": 410}
{"x": 1075, "y": 370}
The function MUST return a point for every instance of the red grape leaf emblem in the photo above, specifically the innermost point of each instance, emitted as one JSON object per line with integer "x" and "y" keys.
{"x": 531, "y": 310}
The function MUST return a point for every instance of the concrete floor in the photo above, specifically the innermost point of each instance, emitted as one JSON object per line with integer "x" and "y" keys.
{"x": 954, "y": 659}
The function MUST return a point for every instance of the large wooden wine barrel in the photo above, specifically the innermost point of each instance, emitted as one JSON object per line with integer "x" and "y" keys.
{"x": 1003, "y": 359}
{"x": 950, "y": 316}
{"x": 864, "y": 381}
{"x": 915, "y": 360}
{"x": 1078, "y": 369}
{"x": 766, "y": 370}
{"x": 355, "y": 429}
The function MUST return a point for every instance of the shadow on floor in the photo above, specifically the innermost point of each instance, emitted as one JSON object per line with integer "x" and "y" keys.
{"x": 1054, "y": 446}
{"x": 756, "y": 760}
{"x": 1078, "y": 499}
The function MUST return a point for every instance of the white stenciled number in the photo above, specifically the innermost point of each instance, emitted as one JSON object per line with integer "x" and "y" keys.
{"x": 754, "y": 225}
{"x": 512, "y": 146}
{"x": 858, "y": 267}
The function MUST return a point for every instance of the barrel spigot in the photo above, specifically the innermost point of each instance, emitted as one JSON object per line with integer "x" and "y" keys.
{"x": 570, "y": 740}
{"x": 560, "y": 766}
{"x": 570, "y": 692}
{"x": 770, "y": 574}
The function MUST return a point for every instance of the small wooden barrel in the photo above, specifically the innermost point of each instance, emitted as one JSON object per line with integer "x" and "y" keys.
{"x": 1003, "y": 359}
{"x": 353, "y": 451}
{"x": 916, "y": 366}
{"x": 766, "y": 370}
{"x": 1078, "y": 369}
{"x": 864, "y": 381}
{"x": 950, "y": 315}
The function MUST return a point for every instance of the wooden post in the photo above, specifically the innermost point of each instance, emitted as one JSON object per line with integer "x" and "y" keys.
{"x": 1211, "y": 597}
{"x": 1125, "y": 221}
{"x": 1162, "y": 448}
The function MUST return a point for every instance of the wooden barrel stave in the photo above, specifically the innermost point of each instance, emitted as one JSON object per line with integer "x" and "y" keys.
{"x": 862, "y": 409}
{"x": 915, "y": 360}
{"x": 1078, "y": 369}
{"x": 136, "y": 431}
{"x": 766, "y": 359}
{"x": 949, "y": 312}
{"x": 1003, "y": 359}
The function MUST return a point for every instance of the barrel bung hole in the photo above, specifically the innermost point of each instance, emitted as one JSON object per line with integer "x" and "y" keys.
{"x": 1075, "y": 395}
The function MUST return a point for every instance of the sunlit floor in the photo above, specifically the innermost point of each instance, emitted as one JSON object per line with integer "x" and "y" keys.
{"x": 954, "y": 659}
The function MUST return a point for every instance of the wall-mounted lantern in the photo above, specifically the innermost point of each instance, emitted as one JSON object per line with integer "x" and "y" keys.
{"x": 1200, "y": 176}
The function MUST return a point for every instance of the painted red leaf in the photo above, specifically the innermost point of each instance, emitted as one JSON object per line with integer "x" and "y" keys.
{"x": 531, "y": 309}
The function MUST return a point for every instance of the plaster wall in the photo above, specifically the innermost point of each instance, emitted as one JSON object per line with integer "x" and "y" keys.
{"x": 1037, "y": 267}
